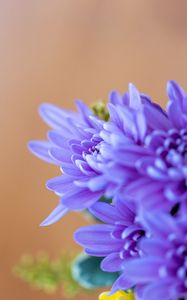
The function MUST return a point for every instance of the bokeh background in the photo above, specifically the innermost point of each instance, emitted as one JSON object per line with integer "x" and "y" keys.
{"x": 57, "y": 51}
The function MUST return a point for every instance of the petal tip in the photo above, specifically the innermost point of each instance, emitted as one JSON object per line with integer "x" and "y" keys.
{"x": 32, "y": 146}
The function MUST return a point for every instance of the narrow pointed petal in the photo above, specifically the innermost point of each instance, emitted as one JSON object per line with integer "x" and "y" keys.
{"x": 53, "y": 115}
{"x": 56, "y": 215}
{"x": 175, "y": 114}
{"x": 175, "y": 92}
{"x": 85, "y": 111}
{"x": 135, "y": 100}
{"x": 115, "y": 98}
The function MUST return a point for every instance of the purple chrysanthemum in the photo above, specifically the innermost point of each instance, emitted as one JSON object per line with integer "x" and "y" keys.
{"x": 116, "y": 240}
{"x": 145, "y": 148}
{"x": 73, "y": 145}
{"x": 138, "y": 159}
{"x": 162, "y": 272}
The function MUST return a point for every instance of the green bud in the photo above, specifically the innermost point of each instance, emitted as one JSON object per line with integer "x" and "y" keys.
{"x": 100, "y": 110}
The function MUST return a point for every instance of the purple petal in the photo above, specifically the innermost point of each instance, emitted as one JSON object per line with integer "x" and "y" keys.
{"x": 93, "y": 163}
{"x": 156, "y": 203}
{"x": 57, "y": 139}
{"x": 56, "y": 215}
{"x": 156, "y": 119}
{"x": 78, "y": 198}
{"x": 153, "y": 247}
{"x": 77, "y": 148}
{"x": 139, "y": 289}
{"x": 141, "y": 124}
{"x": 60, "y": 184}
{"x": 127, "y": 232}
{"x": 155, "y": 139}
{"x": 77, "y": 130}
{"x": 85, "y": 112}
{"x": 122, "y": 283}
{"x": 105, "y": 212}
{"x": 143, "y": 163}
{"x": 70, "y": 169}
{"x": 82, "y": 183}
{"x": 41, "y": 150}
{"x": 143, "y": 270}
{"x": 126, "y": 209}
{"x": 175, "y": 92}
{"x": 143, "y": 188}
{"x": 135, "y": 100}
{"x": 60, "y": 155}
{"x": 129, "y": 125}
{"x": 175, "y": 114}
{"x": 129, "y": 154}
{"x": 159, "y": 226}
{"x": 54, "y": 116}
{"x": 96, "y": 123}
{"x": 84, "y": 168}
{"x": 115, "y": 98}
{"x": 96, "y": 252}
{"x": 98, "y": 237}
{"x": 112, "y": 263}
{"x": 114, "y": 115}
{"x": 157, "y": 174}
{"x": 97, "y": 183}
{"x": 160, "y": 290}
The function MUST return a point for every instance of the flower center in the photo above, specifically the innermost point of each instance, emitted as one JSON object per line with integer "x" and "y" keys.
{"x": 131, "y": 238}
{"x": 93, "y": 149}
{"x": 169, "y": 161}
{"x": 173, "y": 148}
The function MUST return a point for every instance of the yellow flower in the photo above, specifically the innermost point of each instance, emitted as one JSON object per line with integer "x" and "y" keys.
{"x": 120, "y": 295}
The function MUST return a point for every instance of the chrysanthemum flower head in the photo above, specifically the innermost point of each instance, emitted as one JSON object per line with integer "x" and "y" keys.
{"x": 137, "y": 157}
{"x": 73, "y": 144}
{"x": 145, "y": 149}
{"x": 124, "y": 137}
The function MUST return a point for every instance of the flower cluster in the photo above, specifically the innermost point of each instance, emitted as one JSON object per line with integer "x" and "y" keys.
{"x": 136, "y": 156}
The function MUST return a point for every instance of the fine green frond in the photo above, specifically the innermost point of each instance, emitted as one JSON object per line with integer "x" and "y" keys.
{"x": 48, "y": 275}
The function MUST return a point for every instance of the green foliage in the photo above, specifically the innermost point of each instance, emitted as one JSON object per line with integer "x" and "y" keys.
{"x": 87, "y": 272}
{"x": 48, "y": 275}
{"x": 100, "y": 110}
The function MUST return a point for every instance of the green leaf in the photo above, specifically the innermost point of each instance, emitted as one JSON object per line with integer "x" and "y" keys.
{"x": 86, "y": 271}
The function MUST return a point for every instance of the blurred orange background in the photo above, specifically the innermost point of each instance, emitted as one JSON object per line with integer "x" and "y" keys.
{"x": 57, "y": 51}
